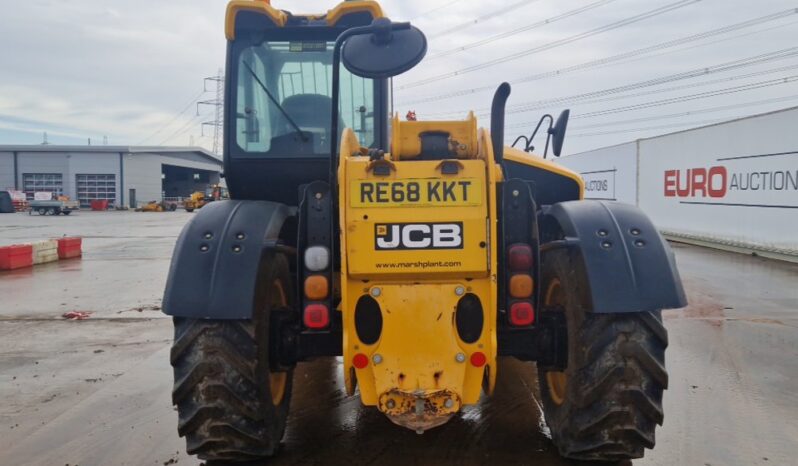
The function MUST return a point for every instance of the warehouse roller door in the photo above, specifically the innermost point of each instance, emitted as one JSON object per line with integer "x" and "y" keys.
{"x": 42, "y": 182}
{"x": 96, "y": 187}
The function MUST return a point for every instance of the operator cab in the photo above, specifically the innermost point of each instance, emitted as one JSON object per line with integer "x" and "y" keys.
{"x": 279, "y": 98}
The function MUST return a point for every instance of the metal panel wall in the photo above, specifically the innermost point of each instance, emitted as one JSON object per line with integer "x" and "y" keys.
{"x": 6, "y": 170}
{"x": 610, "y": 173}
{"x": 56, "y": 162}
{"x": 143, "y": 172}
{"x": 90, "y": 163}
{"x": 735, "y": 183}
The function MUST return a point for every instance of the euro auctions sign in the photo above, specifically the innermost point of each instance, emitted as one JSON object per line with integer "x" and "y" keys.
{"x": 758, "y": 180}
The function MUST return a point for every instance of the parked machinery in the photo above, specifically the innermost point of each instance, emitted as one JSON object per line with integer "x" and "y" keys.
{"x": 200, "y": 198}
{"x": 421, "y": 255}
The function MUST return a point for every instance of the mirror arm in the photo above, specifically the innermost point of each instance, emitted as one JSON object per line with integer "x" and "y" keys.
{"x": 530, "y": 147}
{"x": 526, "y": 141}
{"x": 380, "y": 30}
{"x": 336, "y": 77}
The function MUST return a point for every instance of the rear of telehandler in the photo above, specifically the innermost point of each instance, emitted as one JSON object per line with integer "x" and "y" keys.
{"x": 421, "y": 255}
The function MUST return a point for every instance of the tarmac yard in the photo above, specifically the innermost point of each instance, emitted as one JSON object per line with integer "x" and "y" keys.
{"x": 97, "y": 391}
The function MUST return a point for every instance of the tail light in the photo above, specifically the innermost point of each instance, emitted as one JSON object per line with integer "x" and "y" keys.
{"x": 316, "y": 287}
{"x": 522, "y": 314}
{"x": 521, "y": 286}
{"x": 316, "y": 316}
{"x": 519, "y": 257}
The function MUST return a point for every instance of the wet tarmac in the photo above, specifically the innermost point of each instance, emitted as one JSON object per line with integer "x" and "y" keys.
{"x": 97, "y": 392}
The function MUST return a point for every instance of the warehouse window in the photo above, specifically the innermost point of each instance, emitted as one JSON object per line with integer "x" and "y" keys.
{"x": 42, "y": 182}
{"x": 96, "y": 187}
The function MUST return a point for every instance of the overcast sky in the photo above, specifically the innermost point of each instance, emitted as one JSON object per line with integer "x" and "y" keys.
{"x": 81, "y": 69}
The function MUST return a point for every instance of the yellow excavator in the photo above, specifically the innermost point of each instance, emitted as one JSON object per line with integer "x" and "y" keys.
{"x": 422, "y": 252}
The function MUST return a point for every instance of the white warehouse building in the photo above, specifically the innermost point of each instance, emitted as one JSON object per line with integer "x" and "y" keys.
{"x": 123, "y": 175}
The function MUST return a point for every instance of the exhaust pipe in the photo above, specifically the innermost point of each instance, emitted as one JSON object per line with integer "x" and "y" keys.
{"x": 497, "y": 120}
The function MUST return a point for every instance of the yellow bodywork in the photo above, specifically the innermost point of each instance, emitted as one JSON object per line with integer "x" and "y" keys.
{"x": 515, "y": 155}
{"x": 419, "y": 371}
{"x": 279, "y": 17}
{"x": 152, "y": 206}
{"x": 195, "y": 201}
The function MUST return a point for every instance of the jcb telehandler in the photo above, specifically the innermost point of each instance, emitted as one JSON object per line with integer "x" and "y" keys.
{"x": 420, "y": 251}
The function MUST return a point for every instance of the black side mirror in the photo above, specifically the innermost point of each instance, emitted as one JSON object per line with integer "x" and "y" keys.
{"x": 388, "y": 50}
{"x": 558, "y": 132}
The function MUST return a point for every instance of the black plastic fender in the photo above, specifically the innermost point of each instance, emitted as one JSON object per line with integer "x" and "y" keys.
{"x": 217, "y": 257}
{"x": 628, "y": 265}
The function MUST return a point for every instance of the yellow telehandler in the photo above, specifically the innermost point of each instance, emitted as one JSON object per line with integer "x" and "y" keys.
{"x": 421, "y": 254}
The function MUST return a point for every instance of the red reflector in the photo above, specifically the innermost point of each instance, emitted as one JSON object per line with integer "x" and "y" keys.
{"x": 360, "y": 360}
{"x": 316, "y": 316}
{"x": 522, "y": 314}
{"x": 519, "y": 257}
{"x": 478, "y": 359}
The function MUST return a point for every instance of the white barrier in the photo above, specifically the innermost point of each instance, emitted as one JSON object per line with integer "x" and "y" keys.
{"x": 732, "y": 185}
{"x": 610, "y": 173}
{"x": 45, "y": 251}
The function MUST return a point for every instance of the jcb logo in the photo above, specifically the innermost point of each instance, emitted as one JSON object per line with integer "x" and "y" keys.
{"x": 392, "y": 236}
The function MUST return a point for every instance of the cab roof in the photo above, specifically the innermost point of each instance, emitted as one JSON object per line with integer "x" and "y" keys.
{"x": 358, "y": 12}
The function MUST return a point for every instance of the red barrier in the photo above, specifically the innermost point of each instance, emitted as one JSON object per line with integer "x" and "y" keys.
{"x": 16, "y": 256}
{"x": 70, "y": 247}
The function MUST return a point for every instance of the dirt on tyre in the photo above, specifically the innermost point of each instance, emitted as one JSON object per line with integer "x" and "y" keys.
{"x": 607, "y": 403}
{"x": 231, "y": 406}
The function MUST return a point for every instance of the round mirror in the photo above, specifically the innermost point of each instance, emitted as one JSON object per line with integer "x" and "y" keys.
{"x": 384, "y": 53}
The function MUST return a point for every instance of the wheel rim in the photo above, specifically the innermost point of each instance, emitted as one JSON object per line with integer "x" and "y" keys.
{"x": 277, "y": 380}
{"x": 557, "y": 381}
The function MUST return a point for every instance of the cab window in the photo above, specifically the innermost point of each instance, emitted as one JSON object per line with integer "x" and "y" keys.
{"x": 284, "y": 98}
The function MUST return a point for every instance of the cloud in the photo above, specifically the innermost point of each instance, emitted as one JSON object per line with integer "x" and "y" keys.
{"x": 88, "y": 68}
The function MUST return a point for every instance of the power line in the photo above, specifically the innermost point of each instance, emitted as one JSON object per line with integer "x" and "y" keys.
{"x": 479, "y": 19}
{"x": 186, "y": 126}
{"x": 185, "y": 109}
{"x": 433, "y": 10}
{"x": 686, "y": 98}
{"x": 689, "y": 97}
{"x": 720, "y": 108}
{"x": 513, "y": 32}
{"x": 599, "y": 96}
{"x": 558, "y": 43}
{"x": 648, "y": 128}
{"x": 615, "y": 59}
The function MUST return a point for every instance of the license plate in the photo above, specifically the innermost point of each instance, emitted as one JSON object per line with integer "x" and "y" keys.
{"x": 416, "y": 192}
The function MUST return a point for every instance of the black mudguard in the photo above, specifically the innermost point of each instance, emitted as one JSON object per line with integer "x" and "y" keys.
{"x": 628, "y": 265}
{"x": 217, "y": 257}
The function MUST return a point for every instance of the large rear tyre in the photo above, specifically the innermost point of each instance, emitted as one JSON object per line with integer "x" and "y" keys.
{"x": 231, "y": 406}
{"x": 607, "y": 403}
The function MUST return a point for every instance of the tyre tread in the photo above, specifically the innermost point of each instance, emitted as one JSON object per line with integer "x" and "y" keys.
{"x": 614, "y": 397}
